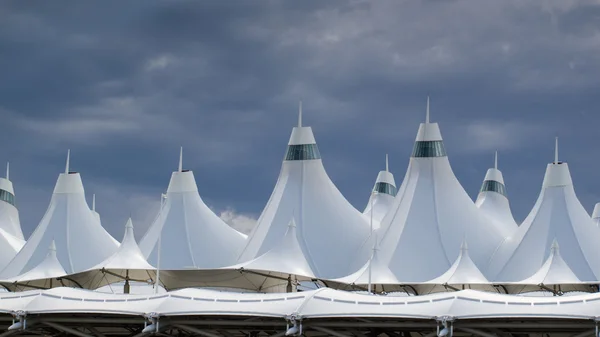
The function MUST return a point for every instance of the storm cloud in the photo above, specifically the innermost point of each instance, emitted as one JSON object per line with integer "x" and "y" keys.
{"x": 125, "y": 84}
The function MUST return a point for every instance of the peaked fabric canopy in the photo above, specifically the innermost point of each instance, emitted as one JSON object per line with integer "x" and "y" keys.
{"x": 463, "y": 271}
{"x": 554, "y": 271}
{"x": 374, "y": 272}
{"x": 382, "y": 197}
{"x": 493, "y": 199}
{"x": 432, "y": 214}
{"x": 327, "y": 225}
{"x": 9, "y": 215}
{"x": 192, "y": 235}
{"x": 47, "y": 274}
{"x": 127, "y": 263}
{"x": 81, "y": 242}
{"x": 554, "y": 276}
{"x": 559, "y": 215}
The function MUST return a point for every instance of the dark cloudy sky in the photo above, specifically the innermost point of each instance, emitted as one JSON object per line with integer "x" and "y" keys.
{"x": 124, "y": 83}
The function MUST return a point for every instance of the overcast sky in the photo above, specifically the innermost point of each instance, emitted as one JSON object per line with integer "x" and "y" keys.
{"x": 123, "y": 84}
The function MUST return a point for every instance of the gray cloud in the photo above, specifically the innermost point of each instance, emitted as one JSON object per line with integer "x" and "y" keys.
{"x": 125, "y": 84}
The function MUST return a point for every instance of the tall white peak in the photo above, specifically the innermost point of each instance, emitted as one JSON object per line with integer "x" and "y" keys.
{"x": 382, "y": 196}
{"x": 431, "y": 215}
{"x": 493, "y": 199}
{"x": 192, "y": 235}
{"x": 558, "y": 214}
{"x": 81, "y": 242}
{"x": 9, "y": 214}
{"x": 326, "y": 224}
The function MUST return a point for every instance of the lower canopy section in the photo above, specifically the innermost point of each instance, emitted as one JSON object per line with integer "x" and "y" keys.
{"x": 262, "y": 281}
{"x": 210, "y": 313}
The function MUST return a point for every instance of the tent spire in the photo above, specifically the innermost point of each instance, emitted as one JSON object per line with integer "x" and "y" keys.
{"x": 300, "y": 115}
{"x": 554, "y": 247}
{"x": 7, "y": 171}
{"x": 181, "y": 159}
{"x": 427, "y": 113}
{"x": 496, "y": 160}
{"x": 68, "y": 158}
{"x": 556, "y": 151}
{"x": 94, "y": 202}
{"x": 387, "y": 163}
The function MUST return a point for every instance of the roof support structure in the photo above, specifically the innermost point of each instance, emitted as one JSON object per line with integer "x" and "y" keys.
{"x": 67, "y": 329}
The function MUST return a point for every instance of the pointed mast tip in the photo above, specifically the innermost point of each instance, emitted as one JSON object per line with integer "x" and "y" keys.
{"x": 180, "y": 159}
{"x": 427, "y": 113}
{"x": 300, "y": 114}
{"x": 68, "y": 159}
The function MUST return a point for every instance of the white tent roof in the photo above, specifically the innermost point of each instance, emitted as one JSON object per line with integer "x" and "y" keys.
{"x": 466, "y": 305}
{"x": 286, "y": 256}
{"x": 193, "y": 236}
{"x": 493, "y": 200}
{"x": 432, "y": 214}
{"x": 379, "y": 273}
{"x": 127, "y": 262}
{"x": 462, "y": 271}
{"x": 382, "y": 196}
{"x": 128, "y": 256}
{"x": 554, "y": 271}
{"x": 329, "y": 230}
{"x": 596, "y": 214}
{"x": 9, "y": 215}
{"x": 49, "y": 268}
{"x": 80, "y": 240}
{"x": 556, "y": 214}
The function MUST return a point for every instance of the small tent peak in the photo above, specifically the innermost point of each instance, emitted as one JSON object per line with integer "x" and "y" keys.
{"x": 463, "y": 246}
{"x": 7, "y": 171}
{"x": 554, "y": 248}
{"x": 129, "y": 224}
{"x": 68, "y": 160}
{"x": 180, "y": 169}
{"x": 94, "y": 202}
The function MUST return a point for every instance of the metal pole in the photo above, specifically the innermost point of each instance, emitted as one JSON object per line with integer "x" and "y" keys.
{"x": 160, "y": 221}
{"x": 371, "y": 258}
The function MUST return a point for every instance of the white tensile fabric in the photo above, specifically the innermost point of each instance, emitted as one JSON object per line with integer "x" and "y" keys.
{"x": 9, "y": 214}
{"x": 463, "y": 274}
{"x": 81, "y": 242}
{"x": 462, "y": 271}
{"x": 432, "y": 214}
{"x": 44, "y": 275}
{"x": 554, "y": 275}
{"x": 322, "y": 303}
{"x": 279, "y": 269}
{"x": 127, "y": 263}
{"x": 9, "y": 247}
{"x": 374, "y": 272}
{"x": 559, "y": 215}
{"x": 192, "y": 235}
{"x": 329, "y": 230}
{"x": 382, "y": 197}
{"x": 596, "y": 214}
{"x": 554, "y": 271}
{"x": 11, "y": 236}
{"x": 493, "y": 200}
